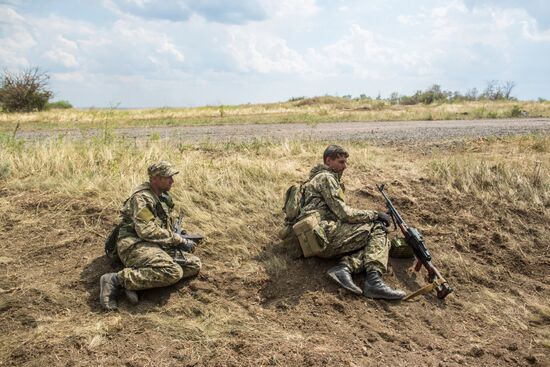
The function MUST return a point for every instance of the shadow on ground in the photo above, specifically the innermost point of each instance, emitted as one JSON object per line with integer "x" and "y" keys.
{"x": 150, "y": 299}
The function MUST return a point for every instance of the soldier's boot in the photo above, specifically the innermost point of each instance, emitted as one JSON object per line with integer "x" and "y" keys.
{"x": 131, "y": 296}
{"x": 110, "y": 285}
{"x": 341, "y": 274}
{"x": 376, "y": 288}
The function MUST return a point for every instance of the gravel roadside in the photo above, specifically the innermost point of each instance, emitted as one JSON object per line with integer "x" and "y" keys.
{"x": 379, "y": 131}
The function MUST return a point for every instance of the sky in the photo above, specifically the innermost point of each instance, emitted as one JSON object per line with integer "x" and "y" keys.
{"x": 152, "y": 53}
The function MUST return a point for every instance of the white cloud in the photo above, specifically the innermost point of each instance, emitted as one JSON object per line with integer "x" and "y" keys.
{"x": 62, "y": 57}
{"x": 74, "y": 77}
{"x": 170, "y": 49}
{"x": 531, "y": 32}
{"x": 366, "y": 54}
{"x": 294, "y": 8}
{"x": 221, "y": 11}
{"x": 264, "y": 53}
{"x": 15, "y": 39}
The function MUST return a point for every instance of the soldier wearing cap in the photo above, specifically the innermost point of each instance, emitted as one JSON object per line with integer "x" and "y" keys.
{"x": 145, "y": 233}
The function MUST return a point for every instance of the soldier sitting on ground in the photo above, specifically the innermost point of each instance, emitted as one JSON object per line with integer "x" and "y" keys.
{"x": 357, "y": 237}
{"x": 145, "y": 233}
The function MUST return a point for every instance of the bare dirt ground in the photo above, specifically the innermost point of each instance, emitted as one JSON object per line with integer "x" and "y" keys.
{"x": 246, "y": 311}
{"x": 386, "y": 131}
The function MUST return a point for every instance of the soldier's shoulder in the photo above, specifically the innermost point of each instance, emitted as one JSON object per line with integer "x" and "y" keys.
{"x": 143, "y": 193}
{"x": 323, "y": 178}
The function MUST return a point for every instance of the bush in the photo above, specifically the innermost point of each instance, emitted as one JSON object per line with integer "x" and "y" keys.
{"x": 516, "y": 112}
{"x": 59, "y": 105}
{"x": 25, "y": 91}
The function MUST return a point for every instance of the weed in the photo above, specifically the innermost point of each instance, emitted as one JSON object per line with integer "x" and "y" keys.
{"x": 4, "y": 170}
{"x": 154, "y": 137}
{"x": 515, "y": 111}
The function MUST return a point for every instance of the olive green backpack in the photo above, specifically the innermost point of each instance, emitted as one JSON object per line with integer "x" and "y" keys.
{"x": 293, "y": 202}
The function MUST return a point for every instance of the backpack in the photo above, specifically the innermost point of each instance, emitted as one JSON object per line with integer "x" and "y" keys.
{"x": 110, "y": 245}
{"x": 293, "y": 202}
{"x": 110, "y": 242}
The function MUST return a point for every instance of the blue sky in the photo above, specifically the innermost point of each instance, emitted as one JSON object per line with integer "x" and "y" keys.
{"x": 149, "y": 53}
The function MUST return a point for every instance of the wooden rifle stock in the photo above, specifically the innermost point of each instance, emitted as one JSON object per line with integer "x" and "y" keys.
{"x": 416, "y": 242}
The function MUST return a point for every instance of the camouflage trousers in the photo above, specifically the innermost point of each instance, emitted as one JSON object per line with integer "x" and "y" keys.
{"x": 365, "y": 245}
{"x": 147, "y": 265}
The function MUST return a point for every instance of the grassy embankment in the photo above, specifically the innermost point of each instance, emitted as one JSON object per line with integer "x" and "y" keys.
{"x": 483, "y": 207}
{"x": 312, "y": 110}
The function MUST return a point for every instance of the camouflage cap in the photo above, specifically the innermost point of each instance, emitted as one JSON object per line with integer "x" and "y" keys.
{"x": 162, "y": 168}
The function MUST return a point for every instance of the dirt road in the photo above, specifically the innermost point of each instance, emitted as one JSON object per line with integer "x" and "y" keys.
{"x": 380, "y": 131}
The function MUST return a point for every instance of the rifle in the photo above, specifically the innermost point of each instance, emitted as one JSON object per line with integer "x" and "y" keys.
{"x": 179, "y": 230}
{"x": 416, "y": 242}
{"x": 178, "y": 253}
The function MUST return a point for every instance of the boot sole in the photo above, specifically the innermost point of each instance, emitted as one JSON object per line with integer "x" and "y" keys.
{"x": 354, "y": 291}
{"x": 378, "y": 296}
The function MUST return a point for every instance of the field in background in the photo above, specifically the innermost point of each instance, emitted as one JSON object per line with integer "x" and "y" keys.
{"x": 310, "y": 110}
{"x": 482, "y": 205}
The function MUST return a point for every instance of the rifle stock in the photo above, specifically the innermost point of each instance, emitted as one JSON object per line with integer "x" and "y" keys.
{"x": 415, "y": 240}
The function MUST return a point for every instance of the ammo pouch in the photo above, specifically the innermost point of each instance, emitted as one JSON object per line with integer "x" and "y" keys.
{"x": 310, "y": 235}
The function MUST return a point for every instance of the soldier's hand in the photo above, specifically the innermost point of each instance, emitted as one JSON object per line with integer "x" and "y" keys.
{"x": 188, "y": 245}
{"x": 384, "y": 218}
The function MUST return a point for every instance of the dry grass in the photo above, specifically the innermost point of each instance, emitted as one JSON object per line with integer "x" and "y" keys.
{"x": 515, "y": 170}
{"x": 313, "y": 110}
{"x": 68, "y": 193}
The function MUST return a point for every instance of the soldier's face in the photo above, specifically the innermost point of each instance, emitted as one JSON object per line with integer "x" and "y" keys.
{"x": 338, "y": 165}
{"x": 162, "y": 184}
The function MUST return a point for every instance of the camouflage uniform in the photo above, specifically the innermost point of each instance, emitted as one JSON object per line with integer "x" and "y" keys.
{"x": 348, "y": 231}
{"x": 144, "y": 237}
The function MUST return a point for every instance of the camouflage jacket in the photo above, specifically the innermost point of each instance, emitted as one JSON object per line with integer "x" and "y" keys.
{"x": 325, "y": 194}
{"x": 148, "y": 217}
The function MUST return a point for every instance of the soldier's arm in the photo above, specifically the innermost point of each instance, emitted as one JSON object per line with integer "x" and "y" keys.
{"x": 334, "y": 197}
{"x": 148, "y": 227}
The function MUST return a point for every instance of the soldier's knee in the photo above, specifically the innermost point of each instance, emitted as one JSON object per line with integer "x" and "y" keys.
{"x": 173, "y": 273}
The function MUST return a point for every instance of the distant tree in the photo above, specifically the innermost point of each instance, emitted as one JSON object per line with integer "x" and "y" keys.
{"x": 24, "y": 91}
{"x": 471, "y": 94}
{"x": 495, "y": 91}
{"x": 491, "y": 91}
{"x": 394, "y": 98}
{"x": 506, "y": 89}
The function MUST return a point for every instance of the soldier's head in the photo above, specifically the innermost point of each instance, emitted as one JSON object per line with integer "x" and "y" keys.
{"x": 336, "y": 158}
{"x": 161, "y": 176}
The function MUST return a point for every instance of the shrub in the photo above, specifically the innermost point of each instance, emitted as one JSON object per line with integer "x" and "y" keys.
{"x": 59, "y": 105}
{"x": 516, "y": 111}
{"x": 24, "y": 91}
